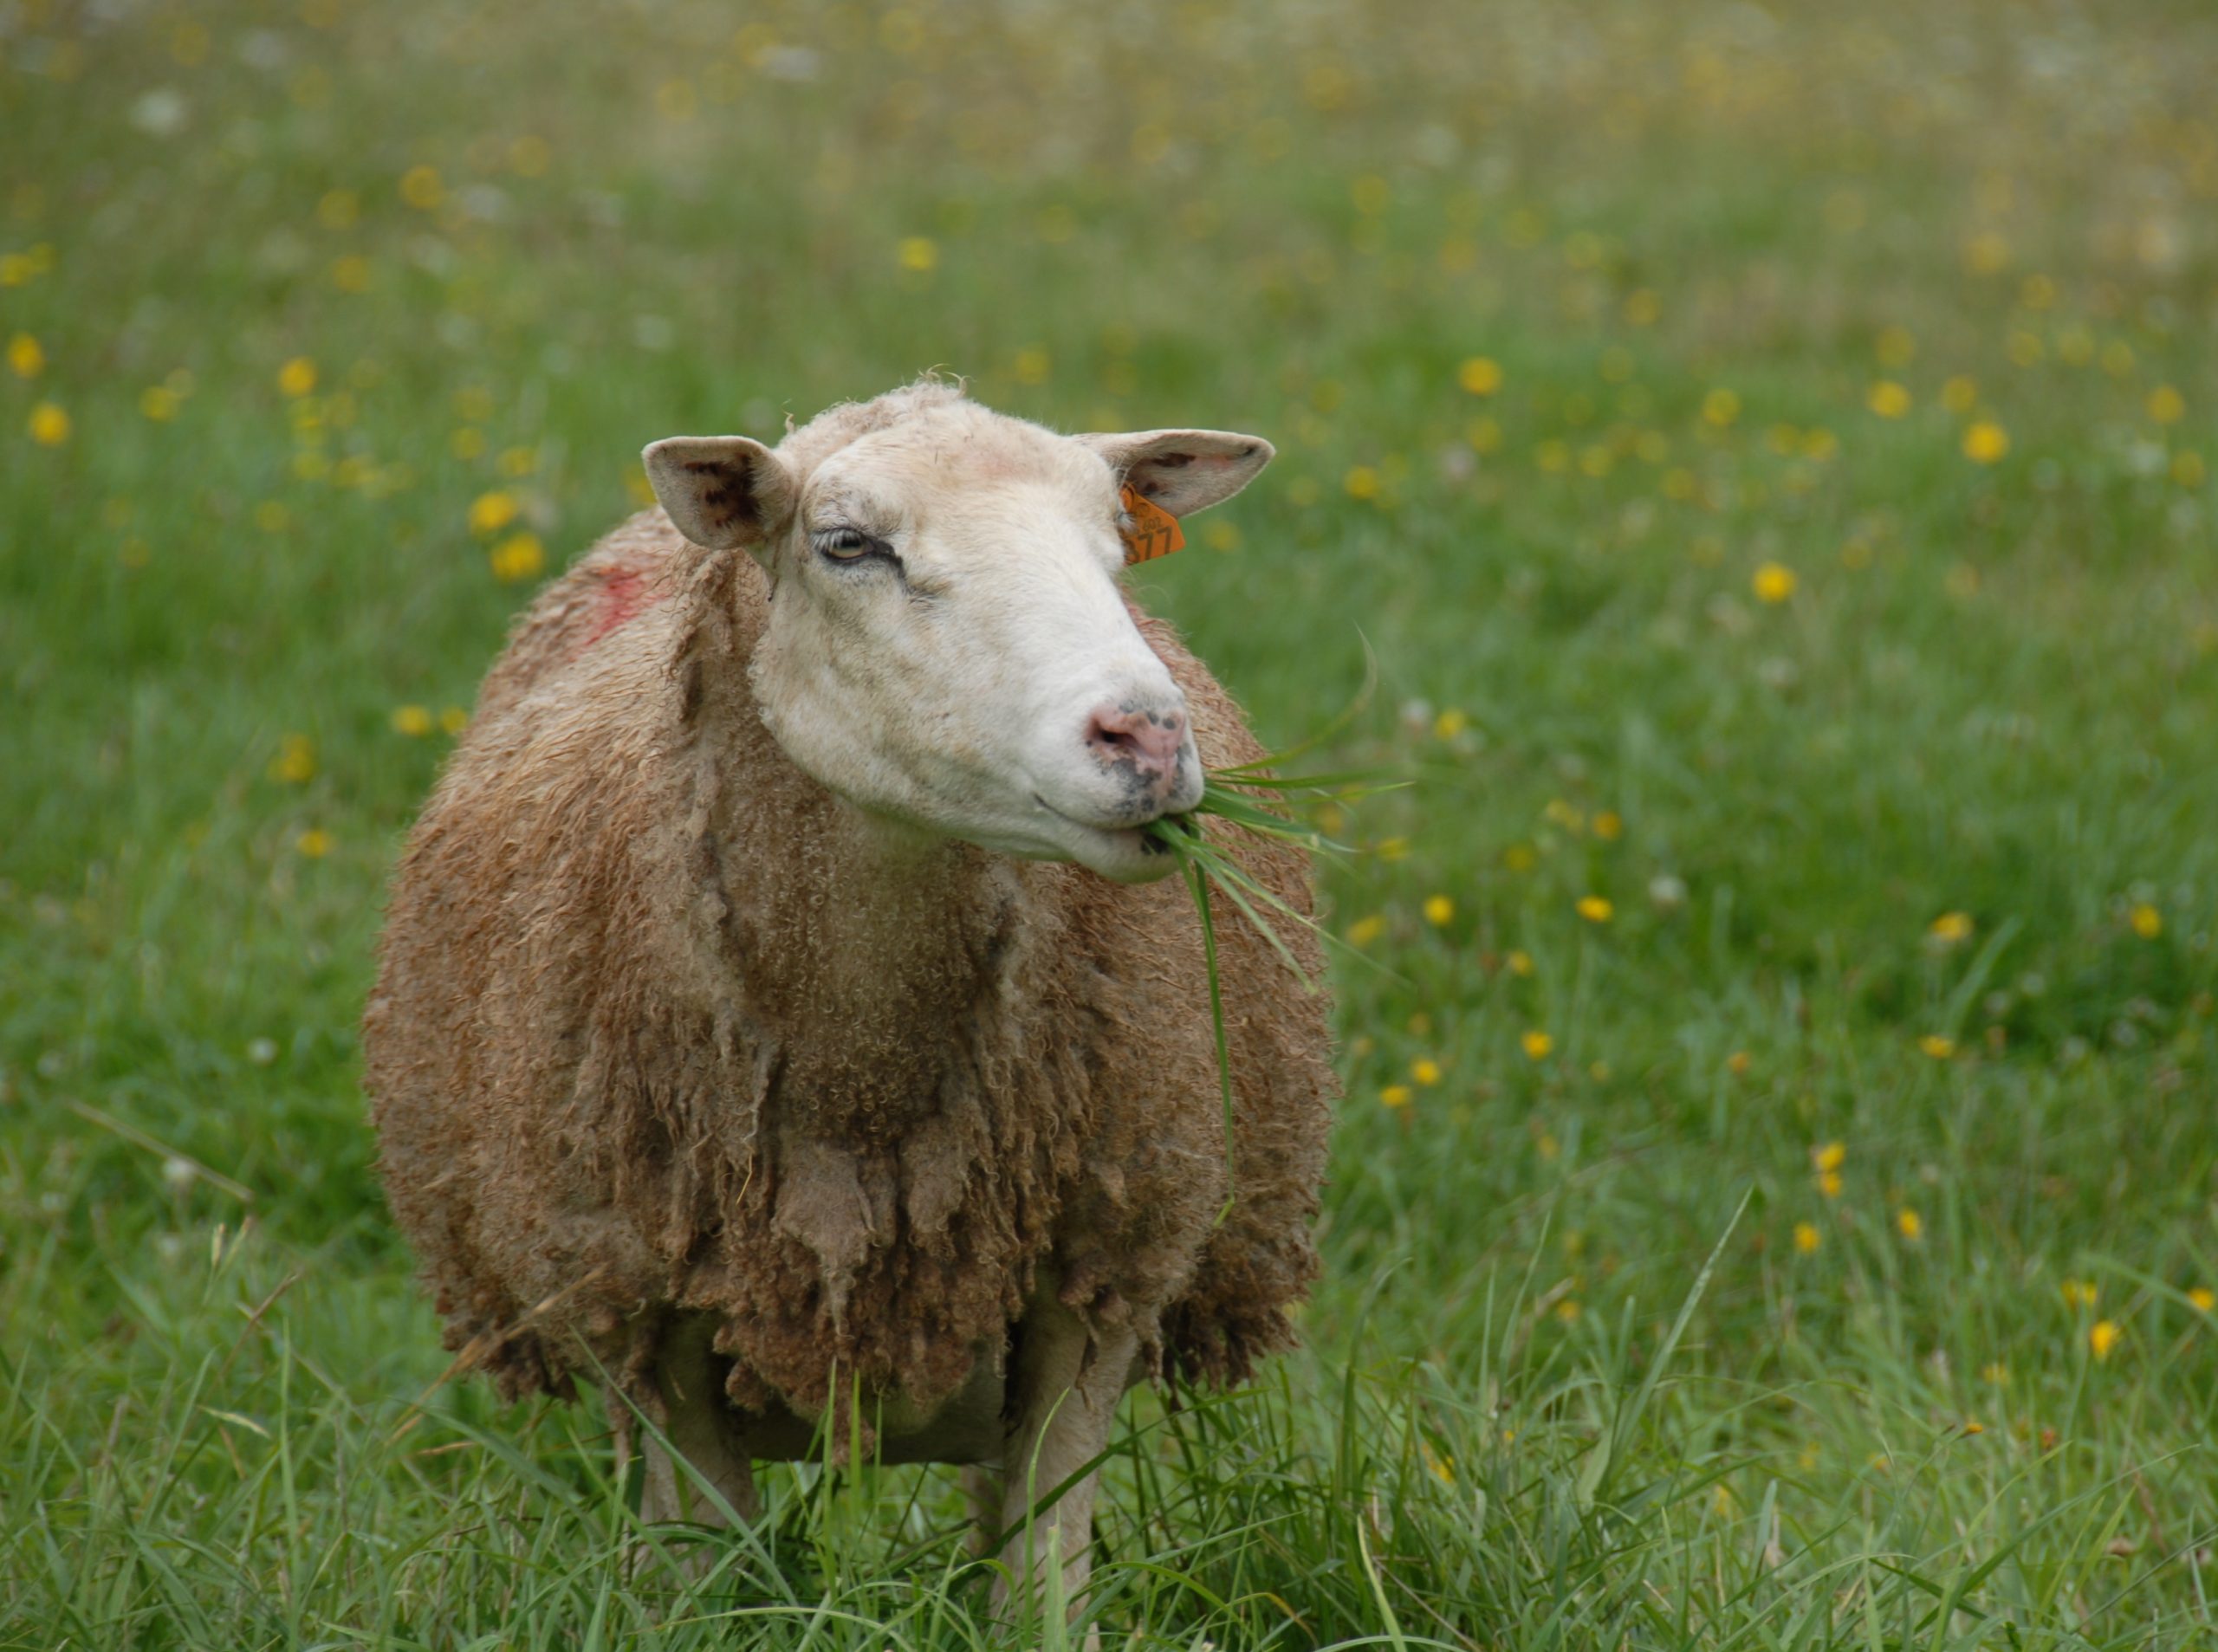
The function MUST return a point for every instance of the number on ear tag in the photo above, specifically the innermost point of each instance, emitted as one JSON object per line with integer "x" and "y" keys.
{"x": 1154, "y": 531}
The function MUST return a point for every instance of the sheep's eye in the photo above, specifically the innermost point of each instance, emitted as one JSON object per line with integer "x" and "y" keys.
{"x": 845, "y": 544}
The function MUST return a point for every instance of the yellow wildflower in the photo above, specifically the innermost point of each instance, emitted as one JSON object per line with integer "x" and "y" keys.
{"x": 1595, "y": 910}
{"x": 1568, "y": 1310}
{"x": 1537, "y": 1043}
{"x": 1986, "y": 253}
{"x": 1721, "y": 408}
{"x": 453, "y": 720}
{"x": 1951, "y": 927}
{"x": 1481, "y": 375}
{"x": 1520, "y": 962}
{"x": 295, "y": 761}
{"x": 414, "y": 720}
{"x": 1986, "y": 442}
{"x": 1450, "y": 723}
{"x": 25, "y": 357}
{"x": 2078, "y": 1294}
{"x": 49, "y": 424}
{"x": 2203, "y": 1298}
{"x": 1425, "y": 1071}
{"x": 1362, "y": 482}
{"x": 1439, "y": 909}
{"x": 297, "y": 377}
{"x": 421, "y": 188}
{"x": 2167, "y": 405}
{"x": 1807, "y": 1238}
{"x": 1938, "y": 1048}
{"x": 1959, "y": 394}
{"x": 1909, "y": 1224}
{"x": 1738, "y": 1063}
{"x": 2148, "y": 922}
{"x": 1773, "y": 582}
{"x": 1888, "y": 400}
{"x": 1397, "y": 1095}
{"x": 314, "y": 843}
{"x": 2102, "y": 1336}
{"x": 490, "y": 512}
{"x": 1609, "y": 825}
{"x": 519, "y": 557}
{"x": 1364, "y": 930}
{"x": 1829, "y": 1183}
{"x": 918, "y": 254}
{"x": 158, "y": 403}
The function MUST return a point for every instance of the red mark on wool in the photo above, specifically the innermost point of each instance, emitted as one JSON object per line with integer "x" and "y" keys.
{"x": 625, "y": 594}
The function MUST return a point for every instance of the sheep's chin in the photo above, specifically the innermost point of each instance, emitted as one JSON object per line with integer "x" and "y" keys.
{"x": 1127, "y": 857}
{"x": 1124, "y": 854}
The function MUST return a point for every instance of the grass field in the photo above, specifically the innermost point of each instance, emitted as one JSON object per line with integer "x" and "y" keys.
{"x": 1768, "y": 448}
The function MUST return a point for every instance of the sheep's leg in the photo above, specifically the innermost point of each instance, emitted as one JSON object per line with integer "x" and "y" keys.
{"x": 688, "y": 1405}
{"x": 1066, "y": 1387}
{"x": 982, "y": 1495}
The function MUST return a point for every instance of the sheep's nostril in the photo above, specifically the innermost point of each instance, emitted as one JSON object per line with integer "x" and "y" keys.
{"x": 1115, "y": 739}
{"x": 1149, "y": 741}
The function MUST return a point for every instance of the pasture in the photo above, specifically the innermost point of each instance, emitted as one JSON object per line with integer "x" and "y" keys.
{"x": 1768, "y": 449}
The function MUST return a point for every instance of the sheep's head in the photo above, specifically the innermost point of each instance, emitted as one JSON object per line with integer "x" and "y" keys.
{"x": 947, "y": 643}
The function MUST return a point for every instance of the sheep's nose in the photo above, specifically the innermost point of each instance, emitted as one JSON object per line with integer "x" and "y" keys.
{"x": 1148, "y": 741}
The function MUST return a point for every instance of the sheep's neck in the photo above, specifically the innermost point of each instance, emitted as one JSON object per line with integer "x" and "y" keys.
{"x": 872, "y": 962}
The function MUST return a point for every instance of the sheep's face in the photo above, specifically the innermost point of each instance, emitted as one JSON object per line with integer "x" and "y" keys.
{"x": 947, "y": 643}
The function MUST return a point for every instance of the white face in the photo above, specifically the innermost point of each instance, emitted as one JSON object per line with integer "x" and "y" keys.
{"x": 947, "y": 641}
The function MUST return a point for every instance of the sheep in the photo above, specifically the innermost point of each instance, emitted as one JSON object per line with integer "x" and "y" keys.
{"x": 782, "y": 1014}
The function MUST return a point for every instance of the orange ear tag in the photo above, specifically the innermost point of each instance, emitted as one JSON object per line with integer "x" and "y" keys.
{"x": 1154, "y": 531}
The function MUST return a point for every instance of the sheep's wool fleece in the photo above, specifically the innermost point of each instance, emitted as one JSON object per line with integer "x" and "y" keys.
{"x": 661, "y": 1026}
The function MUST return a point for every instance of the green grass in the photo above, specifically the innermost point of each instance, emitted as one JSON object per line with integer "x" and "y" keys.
{"x": 514, "y": 244}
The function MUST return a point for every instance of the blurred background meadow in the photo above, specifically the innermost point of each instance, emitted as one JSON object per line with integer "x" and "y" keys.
{"x": 1768, "y": 447}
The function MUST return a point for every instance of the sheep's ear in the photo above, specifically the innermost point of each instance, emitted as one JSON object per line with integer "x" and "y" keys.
{"x": 1184, "y": 471}
{"x": 721, "y": 491}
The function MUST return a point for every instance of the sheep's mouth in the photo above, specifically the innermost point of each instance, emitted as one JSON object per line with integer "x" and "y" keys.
{"x": 1120, "y": 829}
{"x": 1129, "y": 846}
